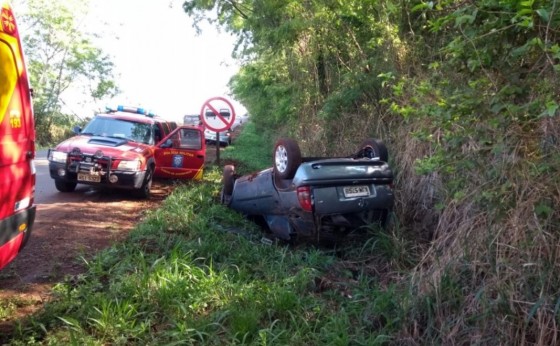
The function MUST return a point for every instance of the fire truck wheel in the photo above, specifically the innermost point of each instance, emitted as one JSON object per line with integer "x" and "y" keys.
{"x": 65, "y": 186}
{"x": 144, "y": 190}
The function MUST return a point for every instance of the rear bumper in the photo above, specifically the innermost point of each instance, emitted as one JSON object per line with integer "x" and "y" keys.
{"x": 316, "y": 226}
{"x": 125, "y": 179}
{"x": 335, "y": 216}
{"x": 331, "y": 200}
{"x": 14, "y": 234}
{"x": 212, "y": 138}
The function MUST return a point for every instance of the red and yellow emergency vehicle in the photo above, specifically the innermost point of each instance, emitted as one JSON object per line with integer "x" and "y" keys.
{"x": 124, "y": 148}
{"x": 17, "y": 142}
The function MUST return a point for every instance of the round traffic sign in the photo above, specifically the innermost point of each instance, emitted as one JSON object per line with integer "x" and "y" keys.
{"x": 217, "y": 114}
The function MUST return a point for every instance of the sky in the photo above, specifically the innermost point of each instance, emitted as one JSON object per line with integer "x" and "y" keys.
{"x": 160, "y": 62}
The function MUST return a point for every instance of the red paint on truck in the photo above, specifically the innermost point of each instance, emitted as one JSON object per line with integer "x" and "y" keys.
{"x": 17, "y": 142}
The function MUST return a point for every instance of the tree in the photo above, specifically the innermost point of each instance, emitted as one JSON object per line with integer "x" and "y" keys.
{"x": 61, "y": 56}
{"x": 309, "y": 63}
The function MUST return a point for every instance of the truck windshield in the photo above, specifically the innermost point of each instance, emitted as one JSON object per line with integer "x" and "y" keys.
{"x": 117, "y": 128}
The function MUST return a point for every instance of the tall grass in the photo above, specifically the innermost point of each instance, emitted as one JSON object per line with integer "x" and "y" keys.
{"x": 195, "y": 272}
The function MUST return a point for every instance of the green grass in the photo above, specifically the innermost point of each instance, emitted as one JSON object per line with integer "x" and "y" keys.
{"x": 195, "y": 272}
{"x": 252, "y": 151}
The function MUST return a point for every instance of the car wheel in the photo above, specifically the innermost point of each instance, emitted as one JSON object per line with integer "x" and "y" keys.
{"x": 228, "y": 179}
{"x": 378, "y": 147}
{"x": 65, "y": 186}
{"x": 144, "y": 190}
{"x": 287, "y": 158}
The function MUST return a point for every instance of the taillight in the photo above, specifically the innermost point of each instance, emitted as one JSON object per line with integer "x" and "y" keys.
{"x": 304, "y": 197}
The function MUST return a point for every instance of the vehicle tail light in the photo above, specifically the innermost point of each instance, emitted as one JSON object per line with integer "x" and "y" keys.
{"x": 304, "y": 197}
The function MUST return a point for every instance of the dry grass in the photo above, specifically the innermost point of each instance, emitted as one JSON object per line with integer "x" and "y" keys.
{"x": 489, "y": 257}
{"x": 490, "y": 272}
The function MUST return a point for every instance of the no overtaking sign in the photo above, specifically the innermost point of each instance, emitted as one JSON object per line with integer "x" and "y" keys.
{"x": 217, "y": 114}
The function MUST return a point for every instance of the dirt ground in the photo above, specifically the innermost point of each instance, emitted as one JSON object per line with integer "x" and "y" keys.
{"x": 64, "y": 230}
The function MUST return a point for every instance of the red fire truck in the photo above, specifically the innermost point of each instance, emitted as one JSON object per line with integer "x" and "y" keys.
{"x": 17, "y": 142}
{"x": 124, "y": 148}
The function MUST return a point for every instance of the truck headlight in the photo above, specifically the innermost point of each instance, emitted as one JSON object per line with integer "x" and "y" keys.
{"x": 129, "y": 165}
{"x": 58, "y": 156}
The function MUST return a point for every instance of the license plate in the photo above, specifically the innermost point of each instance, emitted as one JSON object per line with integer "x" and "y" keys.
{"x": 356, "y": 191}
{"x": 89, "y": 177}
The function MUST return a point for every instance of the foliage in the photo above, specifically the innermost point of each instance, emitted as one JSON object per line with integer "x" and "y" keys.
{"x": 252, "y": 144}
{"x": 466, "y": 94}
{"x": 60, "y": 56}
{"x": 195, "y": 272}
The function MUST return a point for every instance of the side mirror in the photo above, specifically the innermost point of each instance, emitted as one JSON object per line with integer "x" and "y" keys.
{"x": 167, "y": 144}
{"x": 77, "y": 130}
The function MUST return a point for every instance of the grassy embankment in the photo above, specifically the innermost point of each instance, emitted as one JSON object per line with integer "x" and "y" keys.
{"x": 195, "y": 272}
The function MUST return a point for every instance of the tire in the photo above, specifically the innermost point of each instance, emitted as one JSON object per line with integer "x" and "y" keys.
{"x": 379, "y": 148}
{"x": 228, "y": 179}
{"x": 65, "y": 186}
{"x": 287, "y": 158}
{"x": 144, "y": 190}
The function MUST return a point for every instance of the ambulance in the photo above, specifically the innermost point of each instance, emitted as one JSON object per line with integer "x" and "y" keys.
{"x": 17, "y": 142}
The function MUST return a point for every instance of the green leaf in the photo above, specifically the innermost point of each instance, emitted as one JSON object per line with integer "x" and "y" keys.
{"x": 496, "y": 108}
{"x": 555, "y": 51}
{"x": 420, "y": 7}
{"x": 551, "y": 108}
{"x": 525, "y": 12}
{"x": 467, "y": 18}
{"x": 544, "y": 14}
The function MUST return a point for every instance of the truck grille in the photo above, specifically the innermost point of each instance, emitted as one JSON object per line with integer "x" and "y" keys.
{"x": 91, "y": 164}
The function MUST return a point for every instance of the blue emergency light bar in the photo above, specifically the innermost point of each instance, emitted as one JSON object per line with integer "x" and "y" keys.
{"x": 136, "y": 110}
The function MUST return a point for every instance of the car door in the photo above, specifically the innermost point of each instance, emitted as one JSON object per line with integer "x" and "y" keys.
{"x": 181, "y": 154}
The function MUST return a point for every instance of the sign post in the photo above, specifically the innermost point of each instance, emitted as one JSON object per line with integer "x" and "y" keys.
{"x": 217, "y": 114}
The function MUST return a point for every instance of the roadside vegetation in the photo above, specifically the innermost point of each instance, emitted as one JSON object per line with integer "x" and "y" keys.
{"x": 252, "y": 151}
{"x": 466, "y": 96}
{"x": 195, "y": 272}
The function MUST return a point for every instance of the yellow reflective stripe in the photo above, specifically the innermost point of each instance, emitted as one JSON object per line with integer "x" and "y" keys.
{"x": 198, "y": 175}
{"x": 9, "y": 77}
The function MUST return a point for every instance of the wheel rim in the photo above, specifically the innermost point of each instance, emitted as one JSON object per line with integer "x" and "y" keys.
{"x": 281, "y": 158}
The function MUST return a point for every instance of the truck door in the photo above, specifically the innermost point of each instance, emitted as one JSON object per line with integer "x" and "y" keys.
{"x": 181, "y": 154}
{"x": 17, "y": 142}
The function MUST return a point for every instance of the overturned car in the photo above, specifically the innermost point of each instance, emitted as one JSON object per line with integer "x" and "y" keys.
{"x": 320, "y": 199}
